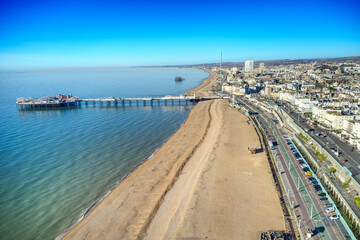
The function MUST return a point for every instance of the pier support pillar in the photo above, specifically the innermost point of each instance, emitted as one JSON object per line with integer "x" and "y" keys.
{"x": 165, "y": 102}
{"x": 123, "y": 102}
{"x": 137, "y": 102}
{"x": 107, "y": 103}
{"x": 186, "y": 102}
{"x": 129, "y": 102}
{"x": 158, "y": 102}
{"x": 86, "y": 103}
{"x": 115, "y": 102}
{"x": 172, "y": 101}
{"x": 179, "y": 102}
{"x": 144, "y": 102}
{"x": 151, "y": 102}
{"x": 101, "y": 103}
{"x": 94, "y": 103}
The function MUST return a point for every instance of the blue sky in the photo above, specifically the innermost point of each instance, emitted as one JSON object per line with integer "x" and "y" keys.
{"x": 131, "y": 33}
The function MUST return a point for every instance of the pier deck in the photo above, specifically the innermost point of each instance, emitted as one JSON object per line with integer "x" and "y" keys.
{"x": 115, "y": 101}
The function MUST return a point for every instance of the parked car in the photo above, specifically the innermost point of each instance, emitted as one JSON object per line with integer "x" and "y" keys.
{"x": 344, "y": 161}
{"x": 334, "y": 217}
{"x": 322, "y": 194}
{"x": 308, "y": 173}
{"x": 328, "y": 205}
{"x": 323, "y": 198}
{"x": 314, "y": 182}
{"x": 330, "y": 209}
{"x": 303, "y": 165}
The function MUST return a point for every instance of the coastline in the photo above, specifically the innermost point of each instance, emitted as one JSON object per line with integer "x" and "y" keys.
{"x": 203, "y": 89}
{"x": 160, "y": 198}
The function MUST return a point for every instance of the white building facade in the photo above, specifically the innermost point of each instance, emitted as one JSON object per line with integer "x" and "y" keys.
{"x": 249, "y": 66}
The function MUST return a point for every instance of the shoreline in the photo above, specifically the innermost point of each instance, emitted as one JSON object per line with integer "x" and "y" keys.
{"x": 201, "y": 183}
{"x": 88, "y": 210}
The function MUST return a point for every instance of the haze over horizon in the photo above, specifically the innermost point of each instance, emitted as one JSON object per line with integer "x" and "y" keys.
{"x": 56, "y": 33}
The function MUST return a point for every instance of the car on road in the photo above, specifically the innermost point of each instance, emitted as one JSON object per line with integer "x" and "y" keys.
{"x": 323, "y": 198}
{"x": 330, "y": 209}
{"x": 317, "y": 187}
{"x": 334, "y": 217}
{"x": 314, "y": 182}
{"x": 303, "y": 165}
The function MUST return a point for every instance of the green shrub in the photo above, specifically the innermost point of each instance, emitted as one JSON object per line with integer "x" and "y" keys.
{"x": 303, "y": 137}
{"x": 332, "y": 170}
{"x": 357, "y": 201}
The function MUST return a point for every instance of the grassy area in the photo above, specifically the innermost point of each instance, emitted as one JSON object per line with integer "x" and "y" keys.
{"x": 303, "y": 137}
{"x": 346, "y": 184}
{"x": 357, "y": 201}
{"x": 318, "y": 154}
{"x": 308, "y": 114}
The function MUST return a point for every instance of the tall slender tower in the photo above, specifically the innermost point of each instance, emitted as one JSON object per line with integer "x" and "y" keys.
{"x": 220, "y": 62}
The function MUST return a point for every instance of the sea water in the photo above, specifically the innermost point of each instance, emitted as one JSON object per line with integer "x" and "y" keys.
{"x": 56, "y": 163}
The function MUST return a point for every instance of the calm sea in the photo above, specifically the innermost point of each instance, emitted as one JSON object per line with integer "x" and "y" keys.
{"x": 54, "y": 164}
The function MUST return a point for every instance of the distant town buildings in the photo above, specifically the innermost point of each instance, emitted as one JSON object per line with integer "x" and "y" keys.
{"x": 261, "y": 67}
{"x": 249, "y": 66}
{"x": 328, "y": 93}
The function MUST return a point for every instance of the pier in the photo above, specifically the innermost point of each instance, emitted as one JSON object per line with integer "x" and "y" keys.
{"x": 28, "y": 103}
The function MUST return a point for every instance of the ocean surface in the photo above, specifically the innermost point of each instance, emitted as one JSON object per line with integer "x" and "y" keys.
{"x": 56, "y": 163}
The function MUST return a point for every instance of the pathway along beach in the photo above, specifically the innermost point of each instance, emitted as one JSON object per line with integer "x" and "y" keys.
{"x": 202, "y": 184}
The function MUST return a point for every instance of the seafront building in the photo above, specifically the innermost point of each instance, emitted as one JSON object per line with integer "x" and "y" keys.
{"x": 327, "y": 93}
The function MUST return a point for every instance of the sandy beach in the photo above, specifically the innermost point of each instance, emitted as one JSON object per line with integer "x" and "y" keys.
{"x": 202, "y": 184}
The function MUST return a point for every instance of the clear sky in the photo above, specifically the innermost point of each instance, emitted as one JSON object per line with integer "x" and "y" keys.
{"x": 131, "y": 33}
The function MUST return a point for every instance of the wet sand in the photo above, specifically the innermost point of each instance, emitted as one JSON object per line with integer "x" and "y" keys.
{"x": 201, "y": 184}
